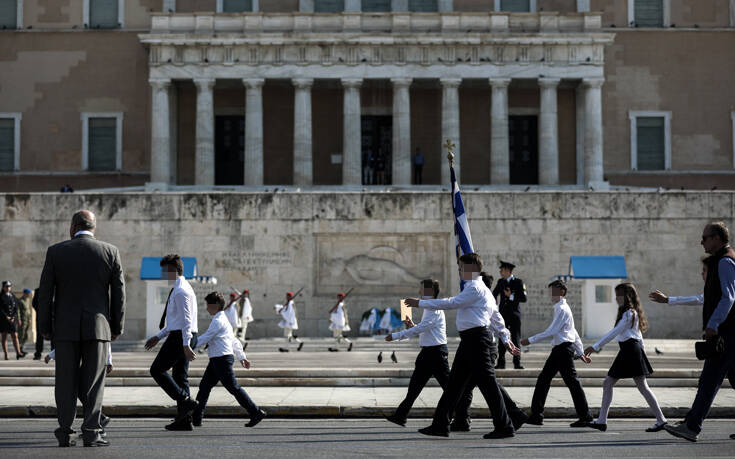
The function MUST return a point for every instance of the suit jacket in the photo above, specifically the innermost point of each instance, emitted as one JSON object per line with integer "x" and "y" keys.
{"x": 82, "y": 291}
{"x": 517, "y": 291}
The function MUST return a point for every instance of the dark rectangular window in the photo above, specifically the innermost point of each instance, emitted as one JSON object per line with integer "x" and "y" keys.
{"x": 103, "y": 14}
{"x": 421, "y": 6}
{"x": 329, "y": 6}
{"x": 651, "y": 140}
{"x": 376, "y": 6}
{"x": 102, "y": 147}
{"x": 7, "y": 144}
{"x": 649, "y": 13}
{"x": 8, "y": 14}
{"x": 237, "y": 6}
{"x": 515, "y": 6}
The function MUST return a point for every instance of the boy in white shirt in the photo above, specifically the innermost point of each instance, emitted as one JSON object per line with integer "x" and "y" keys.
{"x": 566, "y": 347}
{"x": 223, "y": 347}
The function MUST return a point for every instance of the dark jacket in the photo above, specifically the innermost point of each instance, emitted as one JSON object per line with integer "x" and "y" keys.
{"x": 713, "y": 291}
{"x": 517, "y": 291}
{"x": 82, "y": 291}
{"x": 9, "y": 305}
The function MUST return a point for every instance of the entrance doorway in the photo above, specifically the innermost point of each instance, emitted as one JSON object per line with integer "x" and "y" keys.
{"x": 229, "y": 150}
{"x": 377, "y": 141}
{"x": 523, "y": 149}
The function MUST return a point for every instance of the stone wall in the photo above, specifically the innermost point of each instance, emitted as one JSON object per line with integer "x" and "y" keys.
{"x": 381, "y": 243}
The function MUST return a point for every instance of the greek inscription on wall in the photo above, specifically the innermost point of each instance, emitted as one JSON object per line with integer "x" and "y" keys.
{"x": 254, "y": 259}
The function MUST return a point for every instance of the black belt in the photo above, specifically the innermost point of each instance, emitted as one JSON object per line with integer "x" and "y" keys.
{"x": 473, "y": 331}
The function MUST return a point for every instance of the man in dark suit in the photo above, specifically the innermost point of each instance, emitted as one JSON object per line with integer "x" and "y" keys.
{"x": 512, "y": 292}
{"x": 81, "y": 303}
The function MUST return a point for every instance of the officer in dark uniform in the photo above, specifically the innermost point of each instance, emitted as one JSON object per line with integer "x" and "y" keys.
{"x": 512, "y": 292}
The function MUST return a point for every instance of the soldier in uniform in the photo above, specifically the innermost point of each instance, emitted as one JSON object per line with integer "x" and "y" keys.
{"x": 510, "y": 292}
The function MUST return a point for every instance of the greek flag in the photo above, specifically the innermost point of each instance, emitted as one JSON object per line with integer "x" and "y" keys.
{"x": 462, "y": 238}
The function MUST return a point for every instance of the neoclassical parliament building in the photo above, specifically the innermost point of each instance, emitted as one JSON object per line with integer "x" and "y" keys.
{"x": 200, "y": 94}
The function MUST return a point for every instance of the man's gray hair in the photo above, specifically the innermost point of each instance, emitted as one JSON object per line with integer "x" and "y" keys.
{"x": 84, "y": 220}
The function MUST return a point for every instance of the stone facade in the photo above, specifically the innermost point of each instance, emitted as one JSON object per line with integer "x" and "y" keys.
{"x": 381, "y": 243}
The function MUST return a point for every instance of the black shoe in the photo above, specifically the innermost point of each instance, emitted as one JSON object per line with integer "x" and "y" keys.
{"x": 36, "y": 357}
{"x": 732, "y": 436}
{"x": 64, "y": 439}
{"x": 281, "y": 349}
{"x": 349, "y": 349}
{"x": 380, "y": 357}
{"x": 519, "y": 420}
{"x": 104, "y": 420}
{"x": 433, "y": 432}
{"x": 300, "y": 346}
{"x": 20, "y": 356}
{"x": 535, "y": 419}
{"x": 518, "y": 366}
{"x": 657, "y": 427}
{"x": 496, "y": 434}
{"x": 396, "y": 420}
{"x": 332, "y": 349}
{"x": 196, "y": 421}
{"x": 580, "y": 423}
{"x": 393, "y": 357}
{"x": 98, "y": 443}
{"x": 256, "y": 418}
{"x": 186, "y": 407}
{"x": 180, "y": 426}
{"x": 594, "y": 425}
{"x": 459, "y": 427}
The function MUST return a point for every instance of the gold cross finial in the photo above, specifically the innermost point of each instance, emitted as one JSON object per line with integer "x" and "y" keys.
{"x": 450, "y": 151}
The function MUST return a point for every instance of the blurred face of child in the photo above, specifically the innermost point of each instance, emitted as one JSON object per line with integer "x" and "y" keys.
{"x": 619, "y": 297}
{"x": 468, "y": 272}
{"x": 556, "y": 294}
{"x": 213, "y": 308}
{"x": 426, "y": 291}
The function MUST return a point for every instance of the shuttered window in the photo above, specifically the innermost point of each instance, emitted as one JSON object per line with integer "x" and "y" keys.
{"x": 651, "y": 143}
{"x": 649, "y": 13}
{"x": 7, "y": 144}
{"x": 376, "y": 6}
{"x": 103, "y": 14}
{"x": 237, "y": 6}
{"x": 102, "y": 148}
{"x": 329, "y": 6}
{"x": 8, "y": 14}
{"x": 515, "y": 6}
{"x": 423, "y": 5}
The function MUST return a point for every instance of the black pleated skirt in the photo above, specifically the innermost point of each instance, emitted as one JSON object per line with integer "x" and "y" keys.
{"x": 631, "y": 361}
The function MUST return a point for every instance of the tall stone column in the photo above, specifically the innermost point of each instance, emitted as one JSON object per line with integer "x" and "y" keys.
{"x": 593, "y": 173}
{"x": 548, "y": 164}
{"x": 204, "y": 154}
{"x": 580, "y": 108}
{"x": 450, "y": 124}
{"x": 302, "y": 135}
{"x": 351, "y": 133}
{"x": 160, "y": 131}
{"x": 253, "y": 131}
{"x": 401, "y": 131}
{"x": 499, "y": 143}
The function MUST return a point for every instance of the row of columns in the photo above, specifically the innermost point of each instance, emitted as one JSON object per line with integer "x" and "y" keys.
{"x": 589, "y": 123}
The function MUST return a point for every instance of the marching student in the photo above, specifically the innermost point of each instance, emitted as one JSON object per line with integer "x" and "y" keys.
{"x": 289, "y": 322}
{"x": 472, "y": 362}
{"x": 433, "y": 358}
{"x": 180, "y": 320}
{"x": 631, "y": 361}
{"x": 246, "y": 316}
{"x": 338, "y": 323}
{"x": 566, "y": 347}
{"x": 223, "y": 348}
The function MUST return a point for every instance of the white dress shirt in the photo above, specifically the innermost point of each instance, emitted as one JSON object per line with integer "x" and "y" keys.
{"x": 247, "y": 311}
{"x": 289, "y": 316}
{"x": 623, "y": 330}
{"x": 231, "y": 313}
{"x": 85, "y": 232}
{"x": 475, "y": 308}
{"x": 52, "y": 354}
{"x": 688, "y": 300}
{"x": 220, "y": 338}
{"x": 432, "y": 329}
{"x": 561, "y": 329}
{"x": 181, "y": 313}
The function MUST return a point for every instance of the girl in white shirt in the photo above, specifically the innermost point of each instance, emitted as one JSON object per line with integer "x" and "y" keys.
{"x": 631, "y": 361}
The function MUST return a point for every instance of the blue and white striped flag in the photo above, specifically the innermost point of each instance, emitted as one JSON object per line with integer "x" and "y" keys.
{"x": 462, "y": 238}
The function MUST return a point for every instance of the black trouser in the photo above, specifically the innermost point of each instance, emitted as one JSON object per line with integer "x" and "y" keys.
{"x": 513, "y": 324}
{"x": 462, "y": 410}
{"x": 472, "y": 365}
{"x": 171, "y": 357}
{"x": 418, "y": 174}
{"x": 431, "y": 361}
{"x": 220, "y": 369}
{"x": 561, "y": 360}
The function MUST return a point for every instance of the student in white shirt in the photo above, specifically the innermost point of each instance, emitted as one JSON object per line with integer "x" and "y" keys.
{"x": 338, "y": 323}
{"x": 566, "y": 346}
{"x": 472, "y": 361}
{"x": 631, "y": 361}
{"x": 223, "y": 348}
{"x": 433, "y": 358}
{"x": 288, "y": 322}
{"x": 180, "y": 330}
